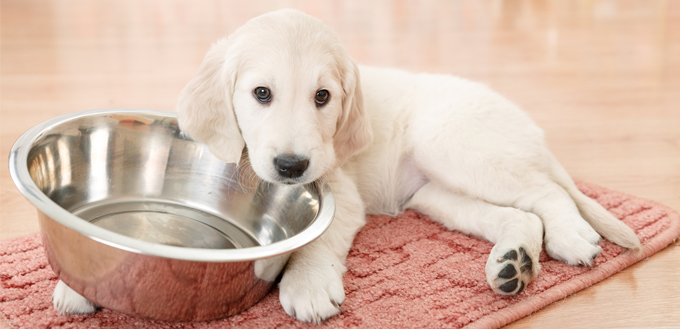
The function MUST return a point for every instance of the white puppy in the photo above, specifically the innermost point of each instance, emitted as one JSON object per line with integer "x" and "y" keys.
{"x": 385, "y": 140}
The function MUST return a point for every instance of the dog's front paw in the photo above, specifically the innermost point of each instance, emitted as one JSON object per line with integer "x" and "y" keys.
{"x": 67, "y": 301}
{"x": 509, "y": 271}
{"x": 312, "y": 292}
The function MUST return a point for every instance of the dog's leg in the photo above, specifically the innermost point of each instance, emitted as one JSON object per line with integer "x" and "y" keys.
{"x": 311, "y": 289}
{"x": 568, "y": 237}
{"x": 67, "y": 301}
{"x": 517, "y": 235}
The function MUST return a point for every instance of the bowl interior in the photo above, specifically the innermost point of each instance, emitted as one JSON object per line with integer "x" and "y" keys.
{"x": 137, "y": 175}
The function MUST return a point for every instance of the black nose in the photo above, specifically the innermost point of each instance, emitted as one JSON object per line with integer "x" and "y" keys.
{"x": 290, "y": 166}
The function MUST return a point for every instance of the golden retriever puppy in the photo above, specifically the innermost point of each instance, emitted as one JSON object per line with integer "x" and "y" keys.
{"x": 285, "y": 87}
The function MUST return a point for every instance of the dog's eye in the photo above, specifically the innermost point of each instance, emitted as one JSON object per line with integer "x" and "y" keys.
{"x": 322, "y": 97}
{"x": 262, "y": 94}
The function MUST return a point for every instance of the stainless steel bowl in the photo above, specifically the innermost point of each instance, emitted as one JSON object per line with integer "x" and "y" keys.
{"x": 138, "y": 218}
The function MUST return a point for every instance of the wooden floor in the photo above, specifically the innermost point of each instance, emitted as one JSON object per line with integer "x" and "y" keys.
{"x": 601, "y": 77}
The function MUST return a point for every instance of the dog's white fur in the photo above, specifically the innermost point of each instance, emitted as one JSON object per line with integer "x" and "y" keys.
{"x": 386, "y": 140}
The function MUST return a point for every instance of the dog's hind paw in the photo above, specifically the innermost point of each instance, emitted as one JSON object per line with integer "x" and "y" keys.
{"x": 67, "y": 301}
{"x": 511, "y": 271}
{"x": 573, "y": 247}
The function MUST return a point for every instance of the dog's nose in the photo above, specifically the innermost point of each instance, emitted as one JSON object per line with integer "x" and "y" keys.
{"x": 290, "y": 166}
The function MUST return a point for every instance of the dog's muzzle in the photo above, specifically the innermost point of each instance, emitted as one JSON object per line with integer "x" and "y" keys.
{"x": 291, "y": 166}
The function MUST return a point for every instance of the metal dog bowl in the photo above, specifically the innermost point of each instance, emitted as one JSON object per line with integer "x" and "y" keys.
{"x": 140, "y": 219}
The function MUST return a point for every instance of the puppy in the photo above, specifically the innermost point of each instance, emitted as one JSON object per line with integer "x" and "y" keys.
{"x": 285, "y": 87}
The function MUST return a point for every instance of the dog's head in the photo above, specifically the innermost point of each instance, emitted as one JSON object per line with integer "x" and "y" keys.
{"x": 284, "y": 86}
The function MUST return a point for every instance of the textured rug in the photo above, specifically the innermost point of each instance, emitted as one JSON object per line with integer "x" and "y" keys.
{"x": 404, "y": 271}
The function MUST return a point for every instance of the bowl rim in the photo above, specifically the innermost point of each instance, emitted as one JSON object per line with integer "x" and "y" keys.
{"x": 28, "y": 188}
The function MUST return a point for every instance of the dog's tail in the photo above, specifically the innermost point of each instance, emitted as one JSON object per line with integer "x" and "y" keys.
{"x": 597, "y": 216}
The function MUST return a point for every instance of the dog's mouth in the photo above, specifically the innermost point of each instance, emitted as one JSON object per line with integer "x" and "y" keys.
{"x": 290, "y": 181}
{"x": 272, "y": 177}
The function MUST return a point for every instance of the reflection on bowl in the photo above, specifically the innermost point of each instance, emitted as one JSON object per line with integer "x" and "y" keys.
{"x": 138, "y": 218}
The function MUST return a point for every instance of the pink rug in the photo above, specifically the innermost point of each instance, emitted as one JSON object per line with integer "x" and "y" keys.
{"x": 405, "y": 272}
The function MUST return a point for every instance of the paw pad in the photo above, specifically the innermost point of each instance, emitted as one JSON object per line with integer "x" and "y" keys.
{"x": 515, "y": 272}
{"x": 509, "y": 286}
{"x": 508, "y": 272}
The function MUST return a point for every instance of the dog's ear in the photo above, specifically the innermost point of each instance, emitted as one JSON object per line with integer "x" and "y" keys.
{"x": 205, "y": 110}
{"x": 354, "y": 132}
